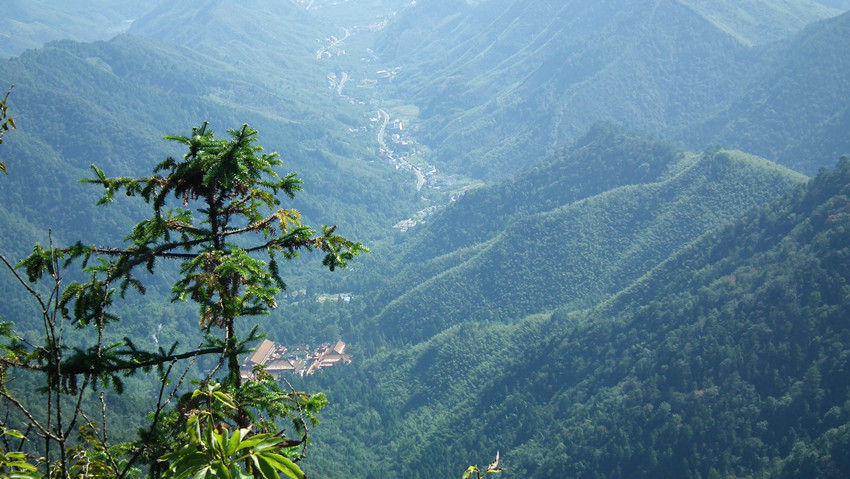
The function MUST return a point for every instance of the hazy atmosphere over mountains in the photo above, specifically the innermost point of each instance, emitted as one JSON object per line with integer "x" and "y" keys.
{"x": 608, "y": 238}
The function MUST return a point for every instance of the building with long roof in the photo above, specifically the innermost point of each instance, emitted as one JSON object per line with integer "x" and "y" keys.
{"x": 277, "y": 361}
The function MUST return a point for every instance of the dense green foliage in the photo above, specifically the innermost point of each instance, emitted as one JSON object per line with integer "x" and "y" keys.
{"x": 675, "y": 349}
{"x": 727, "y": 360}
{"x": 580, "y": 228}
{"x": 110, "y": 102}
{"x": 802, "y": 91}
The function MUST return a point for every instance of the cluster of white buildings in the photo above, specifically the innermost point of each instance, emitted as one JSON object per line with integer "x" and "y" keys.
{"x": 302, "y": 361}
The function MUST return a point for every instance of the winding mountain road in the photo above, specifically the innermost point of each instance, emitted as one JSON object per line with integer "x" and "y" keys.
{"x": 420, "y": 177}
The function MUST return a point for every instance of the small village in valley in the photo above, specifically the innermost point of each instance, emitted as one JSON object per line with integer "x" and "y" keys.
{"x": 302, "y": 360}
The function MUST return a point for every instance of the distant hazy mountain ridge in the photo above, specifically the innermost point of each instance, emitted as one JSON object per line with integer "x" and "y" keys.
{"x": 504, "y": 83}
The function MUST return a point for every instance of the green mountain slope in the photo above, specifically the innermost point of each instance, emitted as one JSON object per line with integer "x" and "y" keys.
{"x": 643, "y": 202}
{"x": 796, "y": 111}
{"x": 503, "y": 82}
{"x": 110, "y": 103}
{"x": 730, "y": 359}
{"x": 257, "y": 35}
{"x": 26, "y": 24}
{"x": 606, "y": 157}
{"x": 755, "y": 22}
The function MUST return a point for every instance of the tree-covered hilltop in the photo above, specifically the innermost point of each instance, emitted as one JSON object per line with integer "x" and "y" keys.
{"x": 796, "y": 111}
{"x": 608, "y": 156}
{"x": 757, "y": 22}
{"x": 729, "y": 359}
{"x": 28, "y": 24}
{"x": 576, "y": 230}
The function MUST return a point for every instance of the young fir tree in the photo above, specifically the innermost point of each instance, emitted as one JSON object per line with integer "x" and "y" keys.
{"x": 217, "y": 212}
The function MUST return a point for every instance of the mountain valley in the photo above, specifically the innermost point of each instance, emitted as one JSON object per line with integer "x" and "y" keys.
{"x": 608, "y": 238}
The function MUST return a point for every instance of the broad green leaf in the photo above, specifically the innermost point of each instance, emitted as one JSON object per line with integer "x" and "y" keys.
{"x": 219, "y": 470}
{"x": 284, "y": 464}
{"x": 10, "y": 432}
{"x": 220, "y": 438}
{"x": 225, "y": 399}
{"x": 188, "y": 465}
{"x": 203, "y": 473}
{"x": 22, "y": 465}
{"x": 260, "y": 442}
{"x": 233, "y": 444}
{"x": 265, "y": 467}
{"x": 237, "y": 473}
{"x": 18, "y": 460}
{"x": 193, "y": 427}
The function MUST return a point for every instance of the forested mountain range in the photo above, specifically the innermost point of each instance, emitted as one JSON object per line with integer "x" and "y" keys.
{"x": 277, "y": 40}
{"x": 110, "y": 103}
{"x": 29, "y": 24}
{"x": 574, "y": 230}
{"x": 516, "y": 79}
{"x": 795, "y": 111}
{"x": 609, "y": 304}
{"x": 728, "y": 359}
